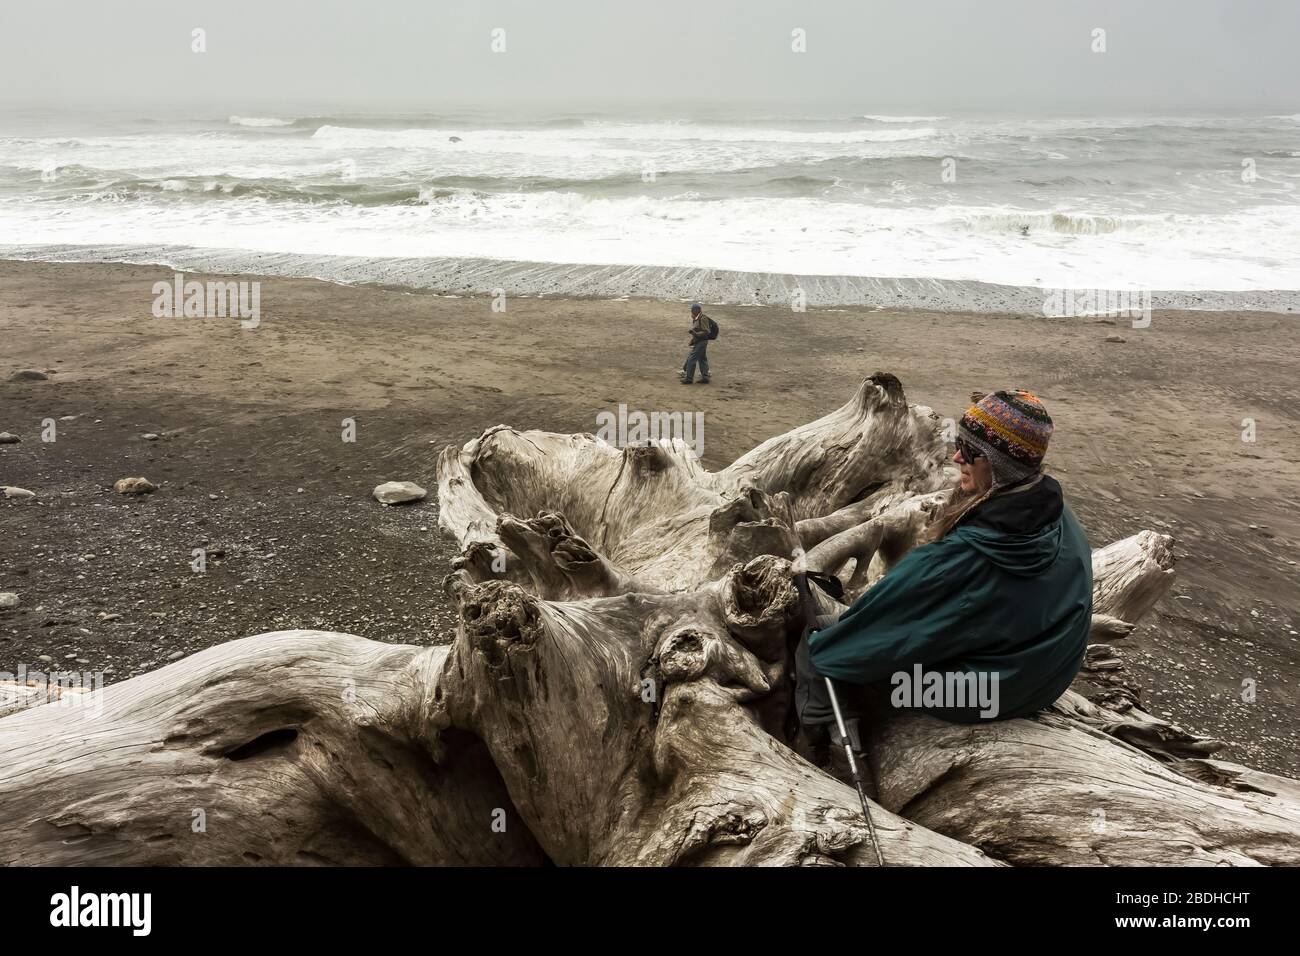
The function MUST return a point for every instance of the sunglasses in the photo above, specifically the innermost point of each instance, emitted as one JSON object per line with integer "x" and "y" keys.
{"x": 968, "y": 452}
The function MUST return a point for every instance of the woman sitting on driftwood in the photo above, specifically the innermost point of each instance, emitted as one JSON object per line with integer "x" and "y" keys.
{"x": 988, "y": 618}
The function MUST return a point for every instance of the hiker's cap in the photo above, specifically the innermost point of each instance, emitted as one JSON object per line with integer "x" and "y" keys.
{"x": 695, "y": 307}
{"x": 1012, "y": 429}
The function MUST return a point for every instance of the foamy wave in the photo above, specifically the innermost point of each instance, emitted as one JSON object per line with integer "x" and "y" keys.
{"x": 1149, "y": 207}
{"x": 549, "y": 140}
{"x": 883, "y": 118}
{"x": 258, "y": 121}
{"x": 792, "y": 236}
{"x": 1071, "y": 224}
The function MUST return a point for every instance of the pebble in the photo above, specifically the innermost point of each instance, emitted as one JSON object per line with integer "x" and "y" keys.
{"x": 134, "y": 486}
{"x": 150, "y": 436}
{"x": 7, "y": 439}
{"x": 1114, "y": 338}
{"x": 28, "y": 375}
{"x": 176, "y": 656}
{"x": 398, "y": 492}
{"x": 14, "y": 492}
{"x": 8, "y": 600}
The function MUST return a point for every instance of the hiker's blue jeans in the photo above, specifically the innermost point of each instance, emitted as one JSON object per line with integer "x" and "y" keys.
{"x": 697, "y": 357}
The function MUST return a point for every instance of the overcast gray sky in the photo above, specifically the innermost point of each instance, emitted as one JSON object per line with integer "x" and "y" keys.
{"x": 874, "y": 55}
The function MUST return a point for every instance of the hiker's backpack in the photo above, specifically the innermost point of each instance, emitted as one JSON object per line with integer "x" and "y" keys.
{"x": 713, "y": 329}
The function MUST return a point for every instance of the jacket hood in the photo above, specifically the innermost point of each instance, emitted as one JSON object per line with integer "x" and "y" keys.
{"x": 1019, "y": 530}
{"x": 1024, "y": 555}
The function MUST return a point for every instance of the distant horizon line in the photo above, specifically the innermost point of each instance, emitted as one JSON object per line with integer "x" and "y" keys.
{"x": 310, "y": 107}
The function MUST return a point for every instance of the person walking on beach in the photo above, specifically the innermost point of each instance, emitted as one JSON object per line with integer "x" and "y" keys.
{"x": 701, "y": 331}
{"x": 1000, "y": 590}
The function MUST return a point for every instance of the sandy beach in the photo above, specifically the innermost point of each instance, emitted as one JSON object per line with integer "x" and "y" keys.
{"x": 251, "y": 465}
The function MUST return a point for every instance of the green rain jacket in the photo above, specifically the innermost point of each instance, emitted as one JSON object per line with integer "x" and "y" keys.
{"x": 1006, "y": 593}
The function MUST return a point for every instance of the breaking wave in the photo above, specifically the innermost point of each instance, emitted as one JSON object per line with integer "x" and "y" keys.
{"x": 258, "y": 121}
{"x": 1070, "y": 224}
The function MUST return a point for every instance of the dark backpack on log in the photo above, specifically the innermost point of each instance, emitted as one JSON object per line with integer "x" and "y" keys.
{"x": 713, "y": 329}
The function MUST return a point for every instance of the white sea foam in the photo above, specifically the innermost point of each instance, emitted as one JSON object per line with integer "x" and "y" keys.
{"x": 258, "y": 121}
{"x": 798, "y": 236}
{"x": 547, "y": 140}
{"x": 881, "y": 118}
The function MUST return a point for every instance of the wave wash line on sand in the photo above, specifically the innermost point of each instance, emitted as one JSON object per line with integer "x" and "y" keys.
{"x": 617, "y": 693}
{"x": 686, "y": 283}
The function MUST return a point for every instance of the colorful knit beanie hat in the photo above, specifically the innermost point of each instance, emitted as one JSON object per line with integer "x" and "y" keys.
{"x": 1012, "y": 430}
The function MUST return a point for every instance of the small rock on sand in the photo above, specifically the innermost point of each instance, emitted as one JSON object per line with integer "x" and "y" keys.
{"x": 28, "y": 375}
{"x": 8, "y": 600}
{"x": 8, "y": 439}
{"x": 150, "y": 436}
{"x": 134, "y": 486}
{"x": 1114, "y": 338}
{"x": 13, "y": 492}
{"x": 398, "y": 492}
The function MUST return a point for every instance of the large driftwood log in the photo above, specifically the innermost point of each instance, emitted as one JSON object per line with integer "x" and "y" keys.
{"x": 296, "y": 747}
{"x": 619, "y": 692}
{"x": 307, "y": 747}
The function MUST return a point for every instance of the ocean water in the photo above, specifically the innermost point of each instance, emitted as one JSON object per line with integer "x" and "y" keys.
{"x": 736, "y": 206}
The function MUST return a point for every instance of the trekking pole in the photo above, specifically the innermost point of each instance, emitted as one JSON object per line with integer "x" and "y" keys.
{"x": 853, "y": 768}
{"x": 810, "y": 618}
